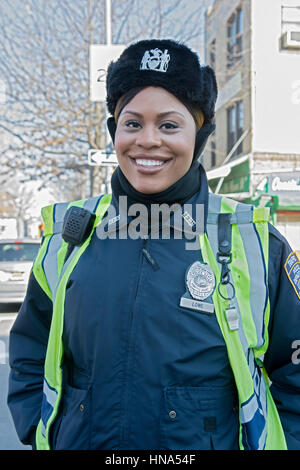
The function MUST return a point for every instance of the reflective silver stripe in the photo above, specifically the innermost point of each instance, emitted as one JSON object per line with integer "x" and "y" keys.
{"x": 75, "y": 250}
{"x": 240, "y": 218}
{"x": 50, "y": 394}
{"x": 258, "y": 382}
{"x": 253, "y": 414}
{"x": 214, "y": 208}
{"x": 212, "y": 218}
{"x": 51, "y": 397}
{"x": 50, "y": 261}
{"x": 263, "y": 437}
{"x": 245, "y": 217}
{"x": 60, "y": 210}
{"x": 43, "y": 430}
{"x": 249, "y": 410}
{"x": 258, "y": 289}
{"x": 91, "y": 203}
{"x": 57, "y": 227}
{"x": 258, "y": 294}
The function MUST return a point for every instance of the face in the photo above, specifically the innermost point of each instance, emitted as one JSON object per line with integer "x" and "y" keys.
{"x": 154, "y": 140}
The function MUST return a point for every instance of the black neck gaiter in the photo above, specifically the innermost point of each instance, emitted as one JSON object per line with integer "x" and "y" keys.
{"x": 178, "y": 193}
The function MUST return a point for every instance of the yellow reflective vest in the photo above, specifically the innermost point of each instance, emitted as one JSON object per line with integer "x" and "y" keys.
{"x": 241, "y": 305}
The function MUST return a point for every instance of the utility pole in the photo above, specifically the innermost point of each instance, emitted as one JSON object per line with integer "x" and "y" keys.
{"x": 90, "y": 26}
{"x": 100, "y": 56}
{"x": 107, "y": 170}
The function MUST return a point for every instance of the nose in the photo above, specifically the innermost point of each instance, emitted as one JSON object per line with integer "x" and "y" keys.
{"x": 148, "y": 137}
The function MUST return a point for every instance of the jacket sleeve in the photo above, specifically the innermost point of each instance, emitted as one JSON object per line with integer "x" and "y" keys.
{"x": 282, "y": 360}
{"x": 27, "y": 350}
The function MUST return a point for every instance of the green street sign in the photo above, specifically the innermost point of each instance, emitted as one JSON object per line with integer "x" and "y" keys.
{"x": 238, "y": 181}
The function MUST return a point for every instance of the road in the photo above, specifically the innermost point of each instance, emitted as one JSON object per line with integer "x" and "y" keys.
{"x": 8, "y": 436}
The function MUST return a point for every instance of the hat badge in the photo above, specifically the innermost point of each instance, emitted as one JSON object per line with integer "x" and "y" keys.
{"x": 155, "y": 60}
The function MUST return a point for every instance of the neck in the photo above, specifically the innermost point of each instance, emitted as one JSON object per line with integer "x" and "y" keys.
{"x": 179, "y": 192}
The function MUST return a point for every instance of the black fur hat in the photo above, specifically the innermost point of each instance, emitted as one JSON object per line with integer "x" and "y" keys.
{"x": 165, "y": 63}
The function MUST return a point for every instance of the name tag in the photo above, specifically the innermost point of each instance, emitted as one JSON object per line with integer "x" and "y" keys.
{"x": 198, "y": 305}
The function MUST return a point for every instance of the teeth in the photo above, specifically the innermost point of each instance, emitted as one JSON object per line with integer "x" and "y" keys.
{"x": 149, "y": 162}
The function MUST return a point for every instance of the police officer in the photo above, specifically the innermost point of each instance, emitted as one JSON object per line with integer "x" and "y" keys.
{"x": 146, "y": 331}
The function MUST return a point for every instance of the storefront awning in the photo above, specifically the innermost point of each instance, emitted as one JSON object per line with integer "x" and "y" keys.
{"x": 234, "y": 176}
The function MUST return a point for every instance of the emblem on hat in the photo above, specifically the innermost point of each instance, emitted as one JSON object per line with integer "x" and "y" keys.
{"x": 200, "y": 281}
{"x": 155, "y": 60}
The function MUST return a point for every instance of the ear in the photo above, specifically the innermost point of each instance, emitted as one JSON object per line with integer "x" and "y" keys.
{"x": 201, "y": 138}
{"x": 112, "y": 126}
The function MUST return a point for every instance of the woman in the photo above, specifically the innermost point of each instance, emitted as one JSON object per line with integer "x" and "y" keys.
{"x": 158, "y": 327}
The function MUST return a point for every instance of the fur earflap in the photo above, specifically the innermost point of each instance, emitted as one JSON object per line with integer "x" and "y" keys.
{"x": 165, "y": 63}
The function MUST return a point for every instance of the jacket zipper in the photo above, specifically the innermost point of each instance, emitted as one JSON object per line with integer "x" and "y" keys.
{"x": 144, "y": 254}
{"x": 149, "y": 258}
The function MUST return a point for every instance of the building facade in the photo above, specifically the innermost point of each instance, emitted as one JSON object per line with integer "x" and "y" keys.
{"x": 254, "y": 154}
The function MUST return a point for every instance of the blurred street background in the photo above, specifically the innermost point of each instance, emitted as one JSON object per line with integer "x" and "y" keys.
{"x": 54, "y": 145}
{"x": 8, "y": 436}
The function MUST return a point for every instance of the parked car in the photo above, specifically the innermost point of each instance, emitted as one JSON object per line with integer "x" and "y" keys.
{"x": 16, "y": 260}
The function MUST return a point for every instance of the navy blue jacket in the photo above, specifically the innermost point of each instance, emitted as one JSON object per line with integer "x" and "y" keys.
{"x": 141, "y": 372}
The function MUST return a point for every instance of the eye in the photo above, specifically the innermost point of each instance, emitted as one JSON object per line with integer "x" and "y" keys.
{"x": 169, "y": 125}
{"x": 132, "y": 124}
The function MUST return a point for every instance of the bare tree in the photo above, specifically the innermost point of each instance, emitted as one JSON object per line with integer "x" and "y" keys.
{"x": 44, "y": 63}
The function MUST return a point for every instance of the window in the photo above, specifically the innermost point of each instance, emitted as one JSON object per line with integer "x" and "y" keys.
{"x": 234, "y": 38}
{"x": 290, "y": 19}
{"x": 213, "y": 151}
{"x": 212, "y": 54}
{"x": 235, "y": 125}
{"x": 290, "y": 27}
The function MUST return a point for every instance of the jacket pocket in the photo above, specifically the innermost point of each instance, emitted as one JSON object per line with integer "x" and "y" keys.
{"x": 199, "y": 418}
{"x": 72, "y": 427}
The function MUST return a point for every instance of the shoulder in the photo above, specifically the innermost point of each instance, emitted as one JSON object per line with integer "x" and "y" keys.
{"x": 283, "y": 263}
{"x": 275, "y": 234}
{"x": 278, "y": 244}
{"x": 219, "y": 203}
{"x": 54, "y": 214}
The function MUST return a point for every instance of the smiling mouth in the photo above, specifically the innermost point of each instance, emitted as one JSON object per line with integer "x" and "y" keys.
{"x": 150, "y": 163}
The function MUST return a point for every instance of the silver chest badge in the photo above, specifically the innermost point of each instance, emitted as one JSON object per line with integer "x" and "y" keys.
{"x": 200, "y": 282}
{"x": 155, "y": 60}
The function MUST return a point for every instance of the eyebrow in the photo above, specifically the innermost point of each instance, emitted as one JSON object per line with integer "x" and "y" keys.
{"x": 166, "y": 113}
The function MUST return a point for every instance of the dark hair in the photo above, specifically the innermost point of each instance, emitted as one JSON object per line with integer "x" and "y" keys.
{"x": 129, "y": 95}
{"x": 125, "y": 99}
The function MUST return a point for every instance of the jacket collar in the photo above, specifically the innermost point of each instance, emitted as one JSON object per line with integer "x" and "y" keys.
{"x": 190, "y": 218}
